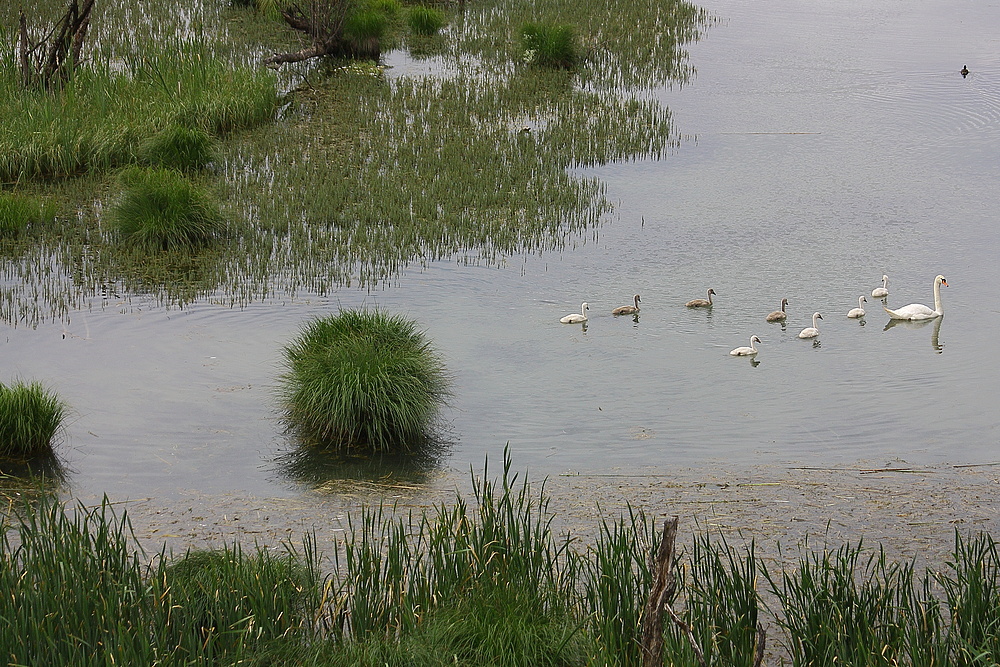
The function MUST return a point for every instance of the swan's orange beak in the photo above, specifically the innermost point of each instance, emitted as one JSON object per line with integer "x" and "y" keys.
{"x": 944, "y": 282}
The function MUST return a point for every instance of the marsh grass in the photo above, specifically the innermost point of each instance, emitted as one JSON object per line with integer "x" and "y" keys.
{"x": 550, "y": 45}
{"x": 31, "y": 417}
{"x": 972, "y": 593}
{"x": 161, "y": 209}
{"x": 178, "y": 147}
{"x": 362, "y": 379}
{"x": 365, "y": 173}
{"x": 424, "y": 20}
{"x": 484, "y": 582}
{"x": 225, "y": 601}
{"x": 79, "y": 591}
{"x": 20, "y": 214}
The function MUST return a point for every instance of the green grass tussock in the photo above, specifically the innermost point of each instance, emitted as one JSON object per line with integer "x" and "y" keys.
{"x": 161, "y": 209}
{"x": 19, "y": 213}
{"x": 424, "y": 20}
{"x": 30, "y": 418}
{"x": 362, "y": 379}
{"x": 550, "y": 45}
{"x": 178, "y": 147}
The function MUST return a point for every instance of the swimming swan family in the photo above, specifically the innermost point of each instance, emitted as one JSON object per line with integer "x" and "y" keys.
{"x": 911, "y": 312}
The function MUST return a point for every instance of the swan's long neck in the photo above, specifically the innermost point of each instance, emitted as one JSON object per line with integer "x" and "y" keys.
{"x": 710, "y": 297}
{"x": 937, "y": 297}
{"x": 814, "y": 322}
{"x": 753, "y": 339}
{"x": 636, "y": 300}
{"x": 860, "y": 300}
{"x": 783, "y": 302}
{"x": 885, "y": 282}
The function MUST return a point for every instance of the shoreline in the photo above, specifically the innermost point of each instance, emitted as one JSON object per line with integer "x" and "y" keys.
{"x": 912, "y": 512}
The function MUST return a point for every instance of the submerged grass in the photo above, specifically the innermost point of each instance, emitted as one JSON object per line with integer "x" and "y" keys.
{"x": 31, "y": 417}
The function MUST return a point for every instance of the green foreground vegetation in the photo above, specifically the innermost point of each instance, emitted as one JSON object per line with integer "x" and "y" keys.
{"x": 484, "y": 582}
{"x": 329, "y": 172}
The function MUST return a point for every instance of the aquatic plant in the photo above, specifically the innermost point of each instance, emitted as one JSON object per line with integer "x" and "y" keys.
{"x": 97, "y": 119}
{"x": 224, "y": 600}
{"x": 362, "y": 379}
{"x": 550, "y": 45}
{"x": 30, "y": 418}
{"x": 391, "y": 8}
{"x": 80, "y": 591}
{"x": 364, "y": 29}
{"x": 161, "y": 209}
{"x": 424, "y": 20}
{"x": 178, "y": 147}
{"x": 18, "y": 213}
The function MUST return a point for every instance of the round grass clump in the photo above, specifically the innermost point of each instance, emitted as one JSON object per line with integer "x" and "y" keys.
{"x": 362, "y": 379}
{"x": 366, "y": 25}
{"x": 178, "y": 147}
{"x": 30, "y": 417}
{"x": 425, "y": 20}
{"x": 161, "y": 209}
{"x": 19, "y": 212}
{"x": 550, "y": 45}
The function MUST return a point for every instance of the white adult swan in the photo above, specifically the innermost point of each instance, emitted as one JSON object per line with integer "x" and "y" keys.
{"x": 628, "y": 310}
{"x": 778, "y": 315}
{"x": 702, "y": 303}
{"x": 813, "y": 331}
{"x": 747, "y": 351}
{"x": 883, "y": 291}
{"x": 918, "y": 311}
{"x": 577, "y": 318}
{"x": 859, "y": 311}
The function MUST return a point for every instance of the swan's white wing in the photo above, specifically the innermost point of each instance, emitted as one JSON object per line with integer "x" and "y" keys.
{"x": 914, "y": 311}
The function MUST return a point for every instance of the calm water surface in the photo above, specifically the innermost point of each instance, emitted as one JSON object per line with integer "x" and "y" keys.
{"x": 823, "y": 145}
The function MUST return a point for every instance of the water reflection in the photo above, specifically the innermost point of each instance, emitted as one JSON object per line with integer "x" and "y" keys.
{"x": 31, "y": 480}
{"x": 936, "y": 343}
{"x": 326, "y": 470}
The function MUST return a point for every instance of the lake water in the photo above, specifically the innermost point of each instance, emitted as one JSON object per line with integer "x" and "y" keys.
{"x": 824, "y": 144}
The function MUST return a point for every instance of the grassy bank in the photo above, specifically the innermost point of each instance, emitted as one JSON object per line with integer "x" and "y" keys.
{"x": 483, "y": 580}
